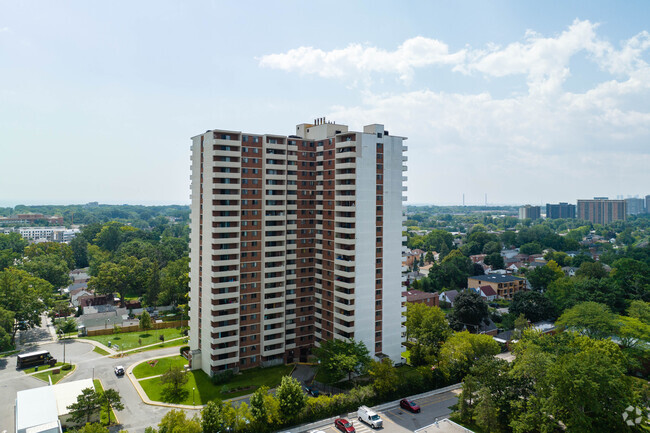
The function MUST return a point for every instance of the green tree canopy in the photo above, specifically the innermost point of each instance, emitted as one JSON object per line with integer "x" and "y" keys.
{"x": 533, "y": 305}
{"x": 339, "y": 358}
{"x": 589, "y": 318}
{"x": 291, "y": 398}
{"x": 470, "y": 311}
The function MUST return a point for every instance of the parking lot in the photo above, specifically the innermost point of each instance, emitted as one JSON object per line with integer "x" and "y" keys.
{"x": 397, "y": 420}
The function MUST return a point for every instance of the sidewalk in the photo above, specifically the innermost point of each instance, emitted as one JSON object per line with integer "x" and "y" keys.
{"x": 113, "y": 352}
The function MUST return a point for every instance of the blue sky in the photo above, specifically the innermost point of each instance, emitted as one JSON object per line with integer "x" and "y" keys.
{"x": 527, "y": 102}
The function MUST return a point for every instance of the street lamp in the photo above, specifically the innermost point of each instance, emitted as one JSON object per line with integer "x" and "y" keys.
{"x": 193, "y": 404}
{"x": 61, "y": 334}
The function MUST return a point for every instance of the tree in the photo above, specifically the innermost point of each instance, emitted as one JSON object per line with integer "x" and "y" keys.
{"x": 174, "y": 282}
{"x": 540, "y": 278}
{"x": 591, "y": 270}
{"x": 79, "y": 246}
{"x": 174, "y": 380}
{"x": 486, "y": 411}
{"x": 521, "y": 323}
{"x": 111, "y": 398}
{"x": 470, "y": 311}
{"x": 236, "y": 417}
{"x": 66, "y": 326}
{"x": 50, "y": 268}
{"x": 632, "y": 332}
{"x": 52, "y": 249}
{"x": 495, "y": 260}
{"x": 264, "y": 407}
{"x": 640, "y": 310}
{"x": 13, "y": 242}
{"x": 87, "y": 405}
{"x": 176, "y": 421}
{"x": 212, "y": 417}
{"x": 91, "y": 428}
{"x": 429, "y": 257}
{"x": 339, "y": 358}
{"x": 589, "y": 318}
{"x": 290, "y": 397}
{"x": 466, "y": 398}
{"x": 492, "y": 247}
{"x": 531, "y": 248}
{"x": 6, "y": 329}
{"x": 145, "y": 321}
{"x": 533, "y": 305}
{"x": 385, "y": 379}
{"x": 24, "y": 295}
{"x": 461, "y": 350}
{"x": 426, "y": 325}
{"x": 130, "y": 275}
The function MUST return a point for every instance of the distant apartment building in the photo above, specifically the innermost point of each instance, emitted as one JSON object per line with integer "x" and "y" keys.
{"x": 647, "y": 204}
{"x": 529, "y": 212}
{"x": 30, "y": 218}
{"x": 45, "y": 234}
{"x": 601, "y": 210}
{"x": 505, "y": 286}
{"x": 295, "y": 240}
{"x": 560, "y": 210}
{"x": 634, "y": 206}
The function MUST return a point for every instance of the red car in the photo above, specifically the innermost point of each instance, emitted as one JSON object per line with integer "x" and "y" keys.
{"x": 409, "y": 405}
{"x": 344, "y": 425}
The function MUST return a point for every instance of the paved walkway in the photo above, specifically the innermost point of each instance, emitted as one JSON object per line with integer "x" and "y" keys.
{"x": 113, "y": 352}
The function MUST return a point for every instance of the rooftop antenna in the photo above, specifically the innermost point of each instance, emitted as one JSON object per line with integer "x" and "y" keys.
{"x": 463, "y": 199}
{"x": 486, "y": 199}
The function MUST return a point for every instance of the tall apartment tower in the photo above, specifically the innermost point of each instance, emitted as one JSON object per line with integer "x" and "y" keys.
{"x": 634, "y": 206}
{"x": 647, "y": 204}
{"x": 560, "y": 210}
{"x": 528, "y": 211}
{"x": 294, "y": 240}
{"x": 600, "y": 210}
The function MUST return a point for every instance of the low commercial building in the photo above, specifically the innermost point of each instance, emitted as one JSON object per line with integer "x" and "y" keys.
{"x": 505, "y": 286}
{"x": 45, "y": 409}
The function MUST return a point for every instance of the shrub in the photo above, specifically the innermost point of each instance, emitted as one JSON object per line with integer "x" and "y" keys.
{"x": 222, "y": 377}
{"x": 184, "y": 349}
{"x": 66, "y": 367}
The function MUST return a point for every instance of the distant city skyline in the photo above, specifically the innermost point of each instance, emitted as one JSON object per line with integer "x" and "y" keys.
{"x": 529, "y": 103}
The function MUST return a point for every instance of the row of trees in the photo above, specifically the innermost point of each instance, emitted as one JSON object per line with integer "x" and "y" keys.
{"x": 556, "y": 383}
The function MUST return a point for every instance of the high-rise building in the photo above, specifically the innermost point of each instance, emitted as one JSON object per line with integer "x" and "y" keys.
{"x": 600, "y": 210}
{"x": 634, "y": 206}
{"x": 560, "y": 210}
{"x": 647, "y": 204}
{"x": 295, "y": 240}
{"x": 528, "y": 211}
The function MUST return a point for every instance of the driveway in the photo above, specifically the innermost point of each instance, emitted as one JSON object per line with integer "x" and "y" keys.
{"x": 136, "y": 415}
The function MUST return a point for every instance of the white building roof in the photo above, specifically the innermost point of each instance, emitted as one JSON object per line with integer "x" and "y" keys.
{"x": 36, "y": 408}
{"x": 66, "y": 393}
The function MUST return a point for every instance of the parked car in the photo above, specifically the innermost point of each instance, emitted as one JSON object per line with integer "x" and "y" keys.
{"x": 119, "y": 371}
{"x": 312, "y": 390}
{"x": 370, "y": 417}
{"x": 409, "y": 405}
{"x": 344, "y": 425}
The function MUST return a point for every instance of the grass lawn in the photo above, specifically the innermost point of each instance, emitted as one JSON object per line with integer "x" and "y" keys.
{"x": 55, "y": 377}
{"x": 100, "y": 351}
{"x": 407, "y": 355}
{"x": 13, "y": 352}
{"x": 41, "y": 367}
{"x": 103, "y": 417}
{"x": 182, "y": 342}
{"x": 131, "y": 340}
{"x": 145, "y": 370}
{"x": 249, "y": 380}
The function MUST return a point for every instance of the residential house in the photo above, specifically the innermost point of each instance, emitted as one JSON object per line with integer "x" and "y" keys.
{"x": 449, "y": 296}
{"x": 420, "y": 297}
{"x": 486, "y": 292}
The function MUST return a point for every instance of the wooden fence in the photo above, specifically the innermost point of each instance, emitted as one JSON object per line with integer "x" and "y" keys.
{"x": 133, "y": 328}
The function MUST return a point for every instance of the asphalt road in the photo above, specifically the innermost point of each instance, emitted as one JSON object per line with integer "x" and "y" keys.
{"x": 135, "y": 416}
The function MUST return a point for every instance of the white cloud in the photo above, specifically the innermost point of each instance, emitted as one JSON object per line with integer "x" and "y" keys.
{"x": 547, "y": 141}
{"x": 355, "y": 58}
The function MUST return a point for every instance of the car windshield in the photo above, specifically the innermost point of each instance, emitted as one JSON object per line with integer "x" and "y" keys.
{"x": 374, "y": 417}
{"x": 346, "y": 424}
{"x": 412, "y": 403}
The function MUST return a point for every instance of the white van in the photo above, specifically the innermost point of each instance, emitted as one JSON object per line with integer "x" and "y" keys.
{"x": 370, "y": 417}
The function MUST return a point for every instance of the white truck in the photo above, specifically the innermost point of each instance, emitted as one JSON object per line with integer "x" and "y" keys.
{"x": 369, "y": 416}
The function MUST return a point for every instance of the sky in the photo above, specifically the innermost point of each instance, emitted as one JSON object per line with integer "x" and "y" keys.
{"x": 517, "y": 101}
